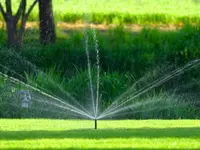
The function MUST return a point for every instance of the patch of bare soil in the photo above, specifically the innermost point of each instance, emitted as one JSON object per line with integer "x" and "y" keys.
{"x": 102, "y": 27}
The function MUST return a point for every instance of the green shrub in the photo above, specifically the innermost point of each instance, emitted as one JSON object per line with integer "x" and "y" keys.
{"x": 14, "y": 64}
{"x": 120, "y": 50}
{"x": 9, "y": 103}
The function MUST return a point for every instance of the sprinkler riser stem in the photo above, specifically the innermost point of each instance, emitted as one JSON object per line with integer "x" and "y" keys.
{"x": 95, "y": 124}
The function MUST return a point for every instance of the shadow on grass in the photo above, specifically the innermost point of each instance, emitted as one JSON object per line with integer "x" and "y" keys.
{"x": 104, "y": 133}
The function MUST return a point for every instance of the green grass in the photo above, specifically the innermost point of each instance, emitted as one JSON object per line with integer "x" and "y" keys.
{"x": 111, "y": 135}
{"x": 129, "y": 11}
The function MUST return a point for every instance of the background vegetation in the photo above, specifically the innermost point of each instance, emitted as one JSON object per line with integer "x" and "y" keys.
{"x": 119, "y": 11}
{"x": 125, "y": 55}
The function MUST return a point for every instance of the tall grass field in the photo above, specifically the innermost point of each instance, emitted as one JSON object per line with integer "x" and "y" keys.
{"x": 123, "y": 11}
{"x": 112, "y": 135}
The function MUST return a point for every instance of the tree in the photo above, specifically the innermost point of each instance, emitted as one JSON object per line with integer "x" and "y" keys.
{"x": 47, "y": 26}
{"x": 15, "y": 35}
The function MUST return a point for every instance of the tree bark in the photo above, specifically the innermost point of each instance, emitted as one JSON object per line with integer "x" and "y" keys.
{"x": 47, "y": 26}
{"x": 10, "y": 24}
{"x": 11, "y": 31}
{"x": 15, "y": 37}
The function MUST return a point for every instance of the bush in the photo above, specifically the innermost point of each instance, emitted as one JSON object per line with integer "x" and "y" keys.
{"x": 14, "y": 64}
{"x": 120, "y": 50}
{"x": 9, "y": 103}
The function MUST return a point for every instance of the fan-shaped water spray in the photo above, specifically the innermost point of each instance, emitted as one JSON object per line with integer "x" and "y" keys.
{"x": 119, "y": 105}
{"x": 125, "y": 103}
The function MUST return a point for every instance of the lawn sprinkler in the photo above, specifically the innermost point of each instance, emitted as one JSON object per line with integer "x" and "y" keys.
{"x": 95, "y": 124}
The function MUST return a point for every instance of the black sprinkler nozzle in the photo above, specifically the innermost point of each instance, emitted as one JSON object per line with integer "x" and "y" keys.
{"x": 95, "y": 124}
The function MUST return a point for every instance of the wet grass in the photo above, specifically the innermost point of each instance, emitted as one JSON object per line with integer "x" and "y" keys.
{"x": 113, "y": 135}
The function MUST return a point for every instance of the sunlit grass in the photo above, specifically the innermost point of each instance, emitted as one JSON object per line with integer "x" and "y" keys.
{"x": 114, "y": 135}
{"x": 128, "y": 11}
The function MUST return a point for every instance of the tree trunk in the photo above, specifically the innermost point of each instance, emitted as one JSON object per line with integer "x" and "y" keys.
{"x": 11, "y": 31}
{"x": 15, "y": 37}
{"x": 47, "y": 26}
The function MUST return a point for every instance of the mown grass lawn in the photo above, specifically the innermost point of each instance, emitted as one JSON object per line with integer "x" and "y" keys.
{"x": 125, "y": 11}
{"x": 112, "y": 135}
